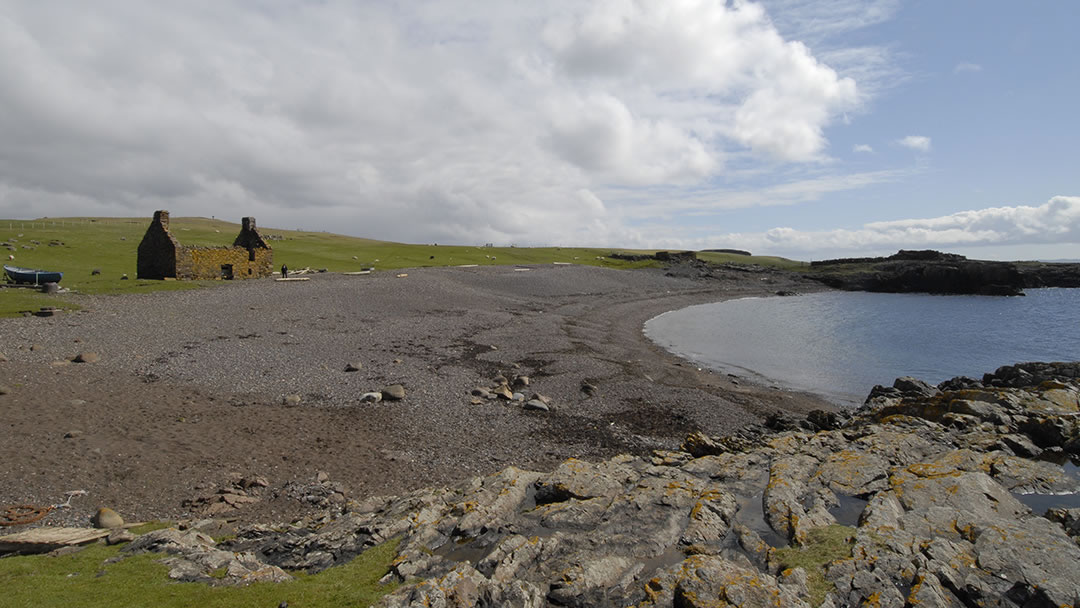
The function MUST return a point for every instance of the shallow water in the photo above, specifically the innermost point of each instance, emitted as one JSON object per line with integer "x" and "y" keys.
{"x": 1041, "y": 503}
{"x": 840, "y": 344}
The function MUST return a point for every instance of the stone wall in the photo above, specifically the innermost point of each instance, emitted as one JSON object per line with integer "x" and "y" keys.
{"x": 161, "y": 256}
{"x": 157, "y": 251}
{"x": 200, "y": 263}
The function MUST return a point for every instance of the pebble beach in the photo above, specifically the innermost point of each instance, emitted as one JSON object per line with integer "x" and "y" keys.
{"x": 192, "y": 391}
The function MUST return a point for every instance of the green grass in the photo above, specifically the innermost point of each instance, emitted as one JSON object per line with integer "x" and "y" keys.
{"x": 91, "y": 578}
{"x": 110, "y": 245}
{"x": 759, "y": 260}
{"x": 822, "y": 547}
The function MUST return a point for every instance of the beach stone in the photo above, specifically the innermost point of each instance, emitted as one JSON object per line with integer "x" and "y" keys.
{"x": 536, "y": 404}
{"x": 482, "y": 393}
{"x": 36, "y": 347}
{"x": 4, "y": 390}
{"x": 118, "y": 536}
{"x": 394, "y": 392}
{"x": 503, "y": 391}
{"x": 87, "y": 357}
{"x": 74, "y": 434}
{"x": 588, "y": 388}
{"x": 3, "y": 358}
{"x": 521, "y": 381}
{"x": 107, "y": 518}
{"x": 371, "y": 397}
{"x": 517, "y": 397}
{"x": 291, "y": 399}
{"x": 354, "y": 366}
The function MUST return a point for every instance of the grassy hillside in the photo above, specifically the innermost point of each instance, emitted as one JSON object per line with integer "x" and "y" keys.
{"x": 79, "y": 246}
{"x": 761, "y": 260}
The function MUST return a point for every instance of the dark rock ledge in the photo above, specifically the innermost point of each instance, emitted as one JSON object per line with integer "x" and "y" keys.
{"x": 917, "y": 498}
{"x": 929, "y": 271}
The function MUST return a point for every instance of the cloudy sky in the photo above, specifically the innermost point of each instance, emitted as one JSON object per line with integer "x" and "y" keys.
{"x": 804, "y": 128}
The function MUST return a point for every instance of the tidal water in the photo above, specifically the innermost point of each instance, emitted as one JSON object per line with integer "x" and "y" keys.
{"x": 840, "y": 344}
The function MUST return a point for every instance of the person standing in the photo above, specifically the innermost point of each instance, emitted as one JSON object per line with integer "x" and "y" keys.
{"x": 284, "y": 271}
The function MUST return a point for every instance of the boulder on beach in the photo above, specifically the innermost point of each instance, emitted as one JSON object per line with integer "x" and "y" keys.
{"x": 394, "y": 392}
{"x": 107, "y": 518}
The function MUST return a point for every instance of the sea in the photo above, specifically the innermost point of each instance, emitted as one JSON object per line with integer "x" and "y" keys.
{"x": 840, "y": 344}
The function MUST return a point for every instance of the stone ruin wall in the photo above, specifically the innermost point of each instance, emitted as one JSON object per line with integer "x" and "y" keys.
{"x": 157, "y": 250}
{"x": 161, "y": 256}
{"x": 193, "y": 262}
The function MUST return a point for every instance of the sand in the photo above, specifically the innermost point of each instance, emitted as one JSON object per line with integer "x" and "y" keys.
{"x": 194, "y": 389}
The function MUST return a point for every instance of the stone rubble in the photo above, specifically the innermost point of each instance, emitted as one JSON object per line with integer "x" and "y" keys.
{"x": 923, "y": 489}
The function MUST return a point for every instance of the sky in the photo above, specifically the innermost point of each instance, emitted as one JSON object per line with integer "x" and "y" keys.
{"x": 803, "y": 128}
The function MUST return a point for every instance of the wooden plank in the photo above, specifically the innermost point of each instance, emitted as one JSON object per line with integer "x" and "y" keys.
{"x": 292, "y": 279}
{"x": 45, "y": 539}
{"x": 50, "y": 538}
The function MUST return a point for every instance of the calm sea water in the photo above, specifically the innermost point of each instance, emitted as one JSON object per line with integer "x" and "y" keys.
{"x": 840, "y": 344}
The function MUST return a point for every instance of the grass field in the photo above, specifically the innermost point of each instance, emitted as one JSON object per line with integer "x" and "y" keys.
{"x": 79, "y": 246}
{"x": 103, "y": 576}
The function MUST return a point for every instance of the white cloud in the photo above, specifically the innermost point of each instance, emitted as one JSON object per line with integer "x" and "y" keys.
{"x": 433, "y": 121}
{"x": 819, "y": 19}
{"x": 862, "y": 149}
{"x": 965, "y": 66}
{"x": 919, "y": 143}
{"x": 1055, "y": 222}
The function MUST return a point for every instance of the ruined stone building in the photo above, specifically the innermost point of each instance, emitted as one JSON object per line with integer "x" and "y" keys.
{"x": 161, "y": 256}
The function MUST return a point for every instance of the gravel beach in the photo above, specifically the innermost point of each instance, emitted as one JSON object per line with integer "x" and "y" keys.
{"x": 195, "y": 391}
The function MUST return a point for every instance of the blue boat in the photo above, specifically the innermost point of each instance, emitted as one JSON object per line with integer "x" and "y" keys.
{"x": 28, "y": 275}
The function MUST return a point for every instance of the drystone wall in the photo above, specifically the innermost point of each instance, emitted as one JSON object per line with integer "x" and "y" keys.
{"x": 223, "y": 263}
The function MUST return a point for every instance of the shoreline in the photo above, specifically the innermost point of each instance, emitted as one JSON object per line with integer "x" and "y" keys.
{"x": 741, "y": 374}
{"x": 194, "y": 384}
{"x": 837, "y": 343}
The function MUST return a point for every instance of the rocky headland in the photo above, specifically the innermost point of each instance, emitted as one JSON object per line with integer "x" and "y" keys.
{"x": 963, "y": 494}
{"x": 934, "y": 272}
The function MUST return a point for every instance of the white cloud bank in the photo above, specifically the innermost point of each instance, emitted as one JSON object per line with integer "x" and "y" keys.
{"x": 1055, "y": 222}
{"x": 919, "y": 143}
{"x": 447, "y": 121}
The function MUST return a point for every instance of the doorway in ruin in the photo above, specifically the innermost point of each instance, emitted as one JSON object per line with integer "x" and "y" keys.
{"x": 226, "y": 272}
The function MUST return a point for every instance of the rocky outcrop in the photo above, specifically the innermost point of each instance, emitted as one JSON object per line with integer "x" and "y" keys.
{"x": 943, "y": 273}
{"x": 921, "y": 271}
{"x": 923, "y": 496}
{"x": 1047, "y": 274}
{"x": 660, "y": 256}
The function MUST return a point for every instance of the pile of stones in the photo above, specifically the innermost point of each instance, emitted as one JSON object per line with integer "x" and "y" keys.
{"x": 511, "y": 390}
